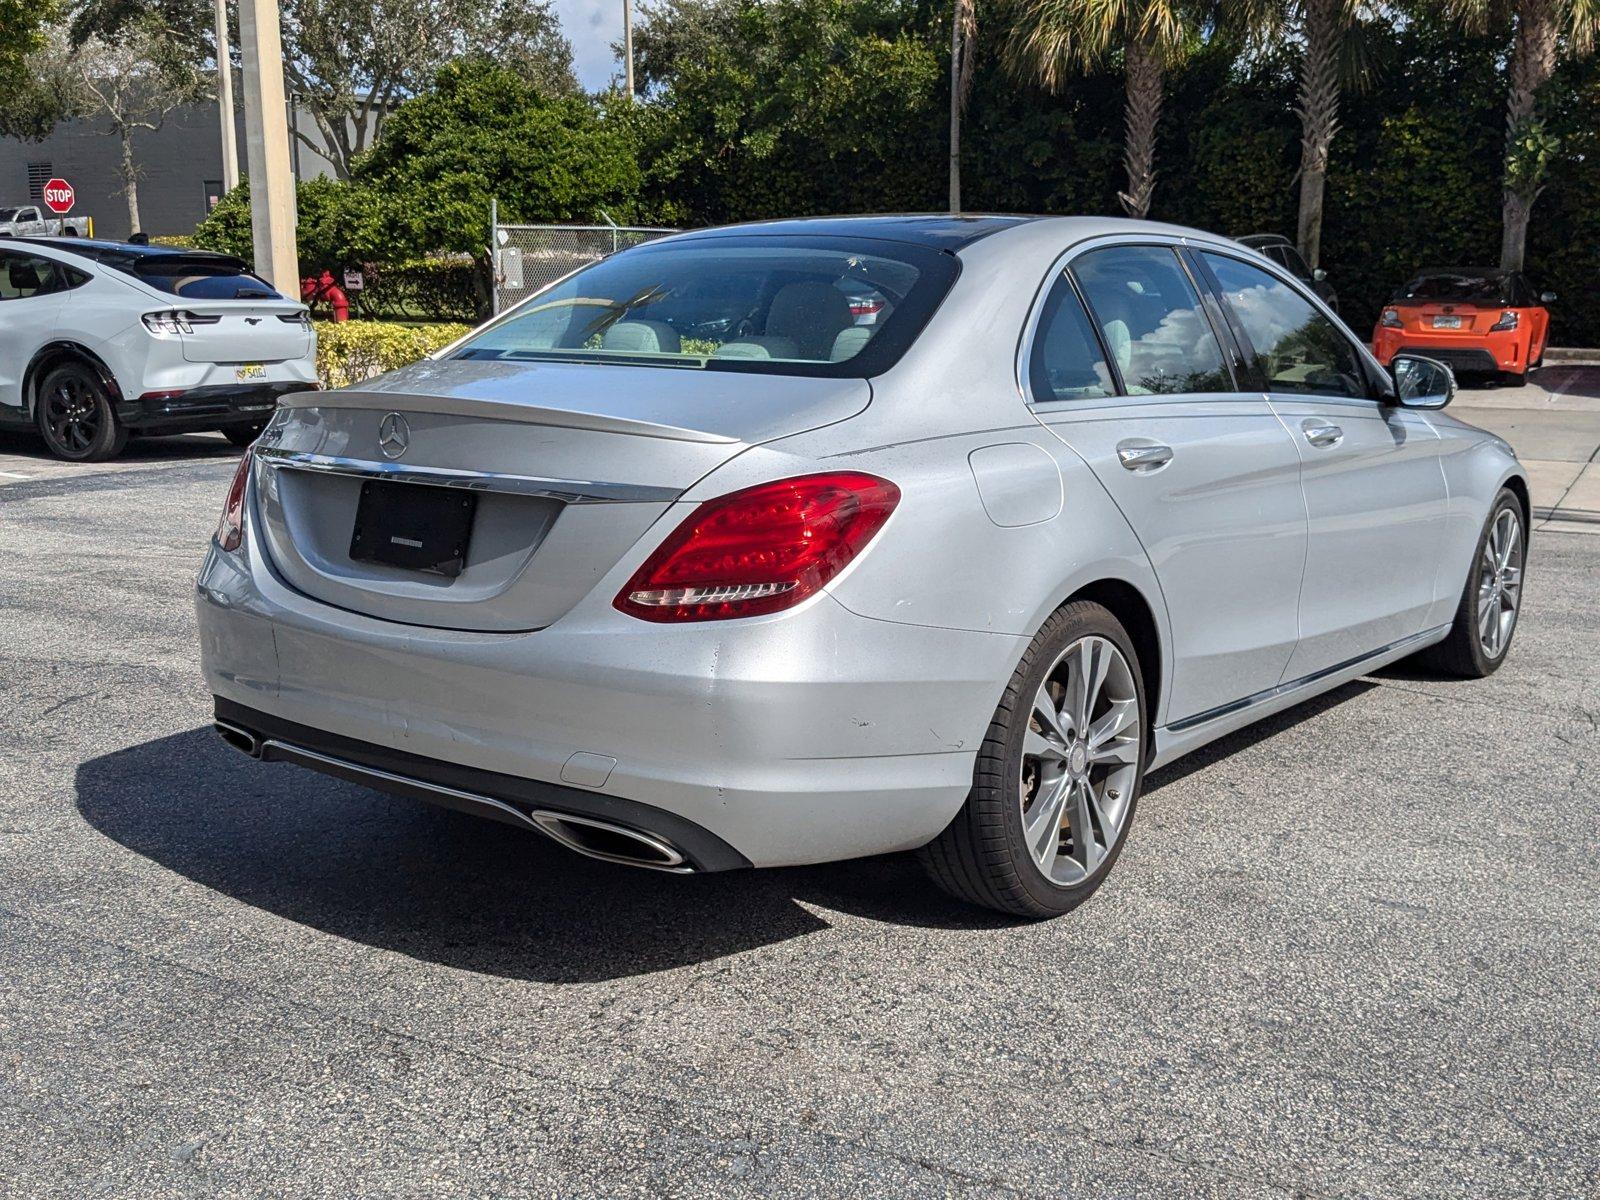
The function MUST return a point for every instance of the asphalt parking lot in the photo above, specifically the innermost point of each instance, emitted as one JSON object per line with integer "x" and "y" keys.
{"x": 1352, "y": 952}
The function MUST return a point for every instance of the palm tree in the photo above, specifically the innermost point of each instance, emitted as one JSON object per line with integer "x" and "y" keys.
{"x": 1544, "y": 28}
{"x": 1052, "y": 38}
{"x": 963, "y": 44}
{"x": 1325, "y": 28}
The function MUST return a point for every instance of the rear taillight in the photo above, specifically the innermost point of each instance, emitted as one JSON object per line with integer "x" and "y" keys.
{"x": 301, "y": 318}
{"x": 760, "y": 550}
{"x": 1390, "y": 319}
{"x": 174, "y": 321}
{"x": 230, "y": 530}
{"x": 1508, "y": 320}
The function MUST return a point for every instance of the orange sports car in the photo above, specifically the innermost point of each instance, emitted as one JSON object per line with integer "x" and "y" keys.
{"x": 1468, "y": 319}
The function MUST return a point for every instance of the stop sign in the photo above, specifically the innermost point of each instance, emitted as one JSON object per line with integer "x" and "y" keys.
{"x": 59, "y": 196}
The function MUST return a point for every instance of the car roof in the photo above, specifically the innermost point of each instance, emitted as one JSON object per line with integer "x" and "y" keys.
{"x": 1257, "y": 240}
{"x": 940, "y": 231}
{"x": 100, "y": 249}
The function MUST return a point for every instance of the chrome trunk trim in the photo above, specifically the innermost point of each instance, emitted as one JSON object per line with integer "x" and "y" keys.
{"x": 568, "y": 491}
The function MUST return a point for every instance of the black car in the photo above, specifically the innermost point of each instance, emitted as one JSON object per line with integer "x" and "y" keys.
{"x": 1283, "y": 252}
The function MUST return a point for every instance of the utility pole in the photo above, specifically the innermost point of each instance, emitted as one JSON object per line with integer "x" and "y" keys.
{"x": 627, "y": 44}
{"x": 230, "y": 142}
{"x": 266, "y": 139}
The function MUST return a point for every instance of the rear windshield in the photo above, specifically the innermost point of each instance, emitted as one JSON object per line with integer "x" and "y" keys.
{"x": 1461, "y": 287}
{"x": 774, "y": 305}
{"x": 199, "y": 278}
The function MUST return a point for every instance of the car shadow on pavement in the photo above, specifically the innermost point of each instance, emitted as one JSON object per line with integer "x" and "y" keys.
{"x": 457, "y": 890}
{"x": 454, "y": 889}
{"x": 187, "y": 447}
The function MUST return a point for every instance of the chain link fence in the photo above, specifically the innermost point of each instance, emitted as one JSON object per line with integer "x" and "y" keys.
{"x": 527, "y": 257}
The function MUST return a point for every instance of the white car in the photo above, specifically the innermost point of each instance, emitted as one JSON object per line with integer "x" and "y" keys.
{"x": 100, "y": 340}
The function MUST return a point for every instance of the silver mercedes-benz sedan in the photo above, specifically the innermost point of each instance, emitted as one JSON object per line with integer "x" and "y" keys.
{"x": 684, "y": 567}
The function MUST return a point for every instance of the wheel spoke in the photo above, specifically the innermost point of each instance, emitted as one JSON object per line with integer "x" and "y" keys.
{"x": 1486, "y": 618}
{"x": 1108, "y": 736}
{"x": 1086, "y": 819}
{"x": 1038, "y": 745}
{"x": 1088, "y": 677}
{"x": 1044, "y": 708}
{"x": 1042, "y": 822}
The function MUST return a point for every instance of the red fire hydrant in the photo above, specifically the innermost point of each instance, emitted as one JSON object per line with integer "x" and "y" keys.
{"x": 322, "y": 287}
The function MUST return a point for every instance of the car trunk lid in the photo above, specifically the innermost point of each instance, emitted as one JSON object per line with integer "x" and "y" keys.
{"x": 244, "y": 331}
{"x": 567, "y": 464}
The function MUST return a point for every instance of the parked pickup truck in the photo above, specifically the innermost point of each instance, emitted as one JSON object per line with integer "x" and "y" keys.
{"x": 32, "y": 221}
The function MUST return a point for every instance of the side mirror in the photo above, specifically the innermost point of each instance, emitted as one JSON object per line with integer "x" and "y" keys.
{"x": 1422, "y": 382}
{"x": 1318, "y": 275}
{"x": 1547, "y": 297}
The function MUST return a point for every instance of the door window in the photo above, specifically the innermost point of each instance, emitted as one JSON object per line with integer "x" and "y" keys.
{"x": 1067, "y": 363}
{"x": 23, "y": 276}
{"x": 1297, "y": 348}
{"x": 1150, "y": 316}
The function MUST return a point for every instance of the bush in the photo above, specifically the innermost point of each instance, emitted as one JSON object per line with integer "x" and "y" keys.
{"x": 449, "y": 288}
{"x": 353, "y": 351}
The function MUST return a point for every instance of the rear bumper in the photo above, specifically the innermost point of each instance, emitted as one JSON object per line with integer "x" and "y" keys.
{"x": 206, "y": 407}
{"x": 806, "y": 737}
{"x": 468, "y": 789}
{"x": 1493, "y": 352}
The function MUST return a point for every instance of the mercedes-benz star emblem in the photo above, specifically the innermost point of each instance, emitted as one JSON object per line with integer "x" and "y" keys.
{"x": 394, "y": 435}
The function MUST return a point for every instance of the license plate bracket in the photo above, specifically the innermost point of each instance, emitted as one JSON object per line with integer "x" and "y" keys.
{"x": 413, "y": 526}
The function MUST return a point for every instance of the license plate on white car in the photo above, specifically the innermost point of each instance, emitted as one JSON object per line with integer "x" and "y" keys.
{"x": 1447, "y": 322}
{"x": 246, "y": 371}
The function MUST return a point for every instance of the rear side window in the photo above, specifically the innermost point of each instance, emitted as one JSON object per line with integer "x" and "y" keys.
{"x": 831, "y": 306}
{"x": 1150, "y": 318}
{"x": 1298, "y": 349}
{"x": 23, "y": 276}
{"x": 199, "y": 278}
{"x": 1067, "y": 363}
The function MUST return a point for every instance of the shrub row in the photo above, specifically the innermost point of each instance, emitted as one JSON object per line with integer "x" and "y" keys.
{"x": 352, "y": 351}
{"x": 447, "y": 288}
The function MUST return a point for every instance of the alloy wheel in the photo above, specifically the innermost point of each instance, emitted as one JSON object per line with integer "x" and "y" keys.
{"x": 1080, "y": 760}
{"x": 1500, "y": 582}
{"x": 72, "y": 415}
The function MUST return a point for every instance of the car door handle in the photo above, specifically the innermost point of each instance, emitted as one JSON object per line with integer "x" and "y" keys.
{"x": 1143, "y": 456}
{"x": 1320, "y": 433}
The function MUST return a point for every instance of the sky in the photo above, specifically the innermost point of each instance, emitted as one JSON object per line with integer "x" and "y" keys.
{"x": 591, "y": 26}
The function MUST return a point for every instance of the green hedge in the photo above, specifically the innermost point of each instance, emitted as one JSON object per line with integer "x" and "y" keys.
{"x": 352, "y": 351}
{"x": 449, "y": 288}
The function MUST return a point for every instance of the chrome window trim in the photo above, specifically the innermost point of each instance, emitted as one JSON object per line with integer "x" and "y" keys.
{"x": 569, "y": 491}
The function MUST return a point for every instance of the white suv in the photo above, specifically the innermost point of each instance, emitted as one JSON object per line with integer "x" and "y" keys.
{"x": 100, "y": 340}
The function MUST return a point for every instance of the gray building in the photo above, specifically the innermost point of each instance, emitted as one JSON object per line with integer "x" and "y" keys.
{"x": 180, "y": 165}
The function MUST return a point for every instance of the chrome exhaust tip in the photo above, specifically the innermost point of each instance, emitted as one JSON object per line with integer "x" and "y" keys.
{"x": 241, "y": 740}
{"x": 610, "y": 843}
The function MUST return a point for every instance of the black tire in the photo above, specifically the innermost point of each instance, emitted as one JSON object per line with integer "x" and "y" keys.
{"x": 1463, "y": 653}
{"x": 74, "y": 415}
{"x": 243, "y": 435}
{"x": 982, "y": 857}
{"x": 1514, "y": 378}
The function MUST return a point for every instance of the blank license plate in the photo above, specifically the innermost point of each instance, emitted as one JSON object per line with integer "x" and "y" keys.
{"x": 1447, "y": 322}
{"x": 413, "y": 526}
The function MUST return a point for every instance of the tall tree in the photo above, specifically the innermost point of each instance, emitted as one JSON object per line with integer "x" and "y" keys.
{"x": 963, "y": 48}
{"x": 351, "y": 61}
{"x": 30, "y": 104}
{"x": 129, "y": 84}
{"x": 1544, "y": 29}
{"x": 1328, "y": 61}
{"x": 1051, "y": 39}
